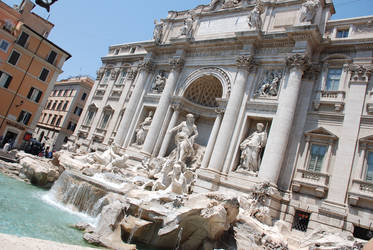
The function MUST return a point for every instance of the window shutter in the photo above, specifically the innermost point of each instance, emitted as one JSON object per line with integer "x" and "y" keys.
{"x": 30, "y": 93}
{"x": 38, "y": 97}
{"x": 6, "y": 85}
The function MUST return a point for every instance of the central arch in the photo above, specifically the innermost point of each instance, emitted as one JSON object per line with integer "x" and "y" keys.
{"x": 204, "y": 91}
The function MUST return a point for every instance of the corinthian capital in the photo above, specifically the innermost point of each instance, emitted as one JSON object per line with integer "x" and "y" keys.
{"x": 245, "y": 62}
{"x": 131, "y": 74}
{"x": 177, "y": 63}
{"x": 146, "y": 65}
{"x": 360, "y": 73}
{"x": 299, "y": 61}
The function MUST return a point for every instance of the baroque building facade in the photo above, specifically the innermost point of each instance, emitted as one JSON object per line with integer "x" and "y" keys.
{"x": 62, "y": 111}
{"x": 280, "y": 94}
{"x": 30, "y": 65}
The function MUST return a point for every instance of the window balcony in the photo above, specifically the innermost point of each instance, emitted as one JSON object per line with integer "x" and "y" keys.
{"x": 361, "y": 194}
{"x": 327, "y": 98}
{"x": 100, "y": 133}
{"x": 311, "y": 182}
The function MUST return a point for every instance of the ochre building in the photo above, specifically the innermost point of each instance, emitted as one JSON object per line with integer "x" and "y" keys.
{"x": 29, "y": 66}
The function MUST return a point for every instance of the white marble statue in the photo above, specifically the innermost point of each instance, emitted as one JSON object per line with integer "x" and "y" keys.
{"x": 187, "y": 29}
{"x": 254, "y": 20}
{"x": 270, "y": 85}
{"x": 308, "y": 10}
{"x": 143, "y": 128}
{"x": 251, "y": 148}
{"x": 184, "y": 138}
{"x": 178, "y": 181}
{"x": 158, "y": 30}
{"x": 160, "y": 82}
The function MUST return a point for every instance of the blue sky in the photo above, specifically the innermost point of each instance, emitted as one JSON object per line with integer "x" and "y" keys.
{"x": 86, "y": 28}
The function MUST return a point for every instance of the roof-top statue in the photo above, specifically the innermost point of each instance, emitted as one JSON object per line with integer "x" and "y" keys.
{"x": 45, "y": 3}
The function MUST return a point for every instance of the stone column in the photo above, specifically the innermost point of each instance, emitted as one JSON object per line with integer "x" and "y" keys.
{"x": 212, "y": 139}
{"x": 281, "y": 127}
{"x": 144, "y": 68}
{"x": 177, "y": 64}
{"x": 354, "y": 106}
{"x": 167, "y": 138}
{"x": 244, "y": 63}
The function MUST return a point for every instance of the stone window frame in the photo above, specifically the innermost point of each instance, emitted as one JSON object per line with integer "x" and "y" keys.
{"x": 320, "y": 136}
{"x": 366, "y": 146}
{"x": 106, "y": 110}
{"x": 92, "y": 108}
{"x": 335, "y": 61}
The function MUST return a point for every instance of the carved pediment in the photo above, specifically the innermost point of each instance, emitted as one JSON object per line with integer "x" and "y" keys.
{"x": 321, "y": 132}
{"x": 367, "y": 139}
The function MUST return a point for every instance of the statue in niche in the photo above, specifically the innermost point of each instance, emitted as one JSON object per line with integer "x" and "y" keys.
{"x": 251, "y": 148}
{"x": 254, "y": 20}
{"x": 187, "y": 29}
{"x": 157, "y": 33}
{"x": 270, "y": 85}
{"x": 160, "y": 82}
{"x": 184, "y": 138}
{"x": 143, "y": 128}
{"x": 308, "y": 10}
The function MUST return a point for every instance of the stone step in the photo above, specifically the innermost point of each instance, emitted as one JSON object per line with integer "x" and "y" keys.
{"x": 131, "y": 162}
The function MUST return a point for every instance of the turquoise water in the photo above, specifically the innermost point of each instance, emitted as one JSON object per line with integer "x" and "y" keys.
{"x": 25, "y": 212}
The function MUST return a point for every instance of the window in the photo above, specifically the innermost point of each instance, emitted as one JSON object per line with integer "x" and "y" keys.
{"x": 132, "y": 50}
{"x": 78, "y": 111}
{"x": 60, "y": 92}
{"x": 316, "y": 157}
{"x": 4, "y": 45}
{"x": 5, "y": 79}
{"x": 49, "y": 117}
{"x": 54, "y": 119}
{"x": 363, "y": 233}
{"x": 301, "y": 220}
{"x": 332, "y": 81}
{"x": 89, "y": 118}
{"x": 65, "y": 106}
{"x": 23, "y": 39}
{"x": 342, "y": 33}
{"x": 71, "y": 126}
{"x": 122, "y": 77}
{"x": 52, "y": 56}
{"x": 65, "y": 92}
{"x": 49, "y": 105}
{"x": 84, "y": 96}
{"x": 369, "y": 173}
{"x": 59, "y": 105}
{"x": 24, "y": 117}
{"x": 59, "y": 120}
{"x": 106, "y": 76}
{"x": 34, "y": 94}
{"x": 105, "y": 119}
{"x": 44, "y": 74}
{"x": 116, "y": 51}
{"x": 13, "y": 59}
{"x": 54, "y": 105}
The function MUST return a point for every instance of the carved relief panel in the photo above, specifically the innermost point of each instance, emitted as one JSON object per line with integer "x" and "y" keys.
{"x": 269, "y": 83}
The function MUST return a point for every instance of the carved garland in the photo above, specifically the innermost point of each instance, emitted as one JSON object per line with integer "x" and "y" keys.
{"x": 246, "y": 62}
{"x": 177, "y": 63}
{"x": 298, "y": 61}
{"x": 360, "y": 72}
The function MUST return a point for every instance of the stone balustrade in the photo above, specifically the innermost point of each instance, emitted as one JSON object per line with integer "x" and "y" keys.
{"x": 361, "y": 193}
{"x": 324, "y": 97}
{"x": 311, "y": 182}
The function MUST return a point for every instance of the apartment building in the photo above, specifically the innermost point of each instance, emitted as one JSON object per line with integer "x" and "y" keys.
{"x": 62, "y": 111}
{"x": 29, "y": 67}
